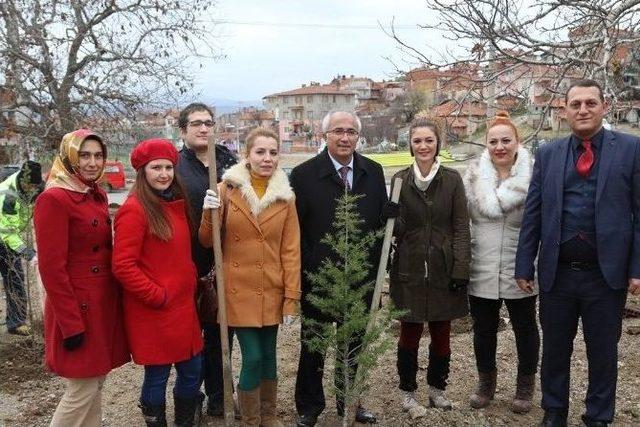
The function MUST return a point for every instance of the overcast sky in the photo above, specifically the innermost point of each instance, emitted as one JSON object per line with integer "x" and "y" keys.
{"x": 265, "y": 59}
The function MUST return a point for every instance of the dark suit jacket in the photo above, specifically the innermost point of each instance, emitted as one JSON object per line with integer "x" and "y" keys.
{"x": 317, "y": 187}
{"x": 617, "y": 212}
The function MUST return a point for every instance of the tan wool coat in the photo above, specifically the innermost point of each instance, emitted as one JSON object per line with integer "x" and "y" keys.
{"x": 260, "y": 247}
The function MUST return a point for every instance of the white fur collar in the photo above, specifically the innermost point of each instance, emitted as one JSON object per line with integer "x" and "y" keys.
{"x": 491, "y": 197}
{"x": 278, "y": 187}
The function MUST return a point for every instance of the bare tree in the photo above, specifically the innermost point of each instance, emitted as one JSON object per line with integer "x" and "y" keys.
{"x": 66, "y": 60}
{"x": 552, "y": 41}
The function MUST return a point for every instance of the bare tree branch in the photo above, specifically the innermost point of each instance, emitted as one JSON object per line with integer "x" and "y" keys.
{"x": 66, "y": 60}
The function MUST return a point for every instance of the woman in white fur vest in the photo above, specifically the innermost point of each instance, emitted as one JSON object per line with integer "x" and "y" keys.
{"x": 496, "y": 185}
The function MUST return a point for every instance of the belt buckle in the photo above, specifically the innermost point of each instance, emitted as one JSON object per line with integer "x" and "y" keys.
{"x": 576, "y": 265}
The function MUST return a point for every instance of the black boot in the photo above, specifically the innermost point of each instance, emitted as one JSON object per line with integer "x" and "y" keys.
{"x": 407, "y": 365}
{"x": 154, "y": 415}
{"x": 438, "y": 370}
{"x": 188, "y": 411}
{"x": 437, "y": 375}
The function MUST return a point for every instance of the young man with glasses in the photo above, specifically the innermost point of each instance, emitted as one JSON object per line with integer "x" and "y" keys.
{"x": 196, "y": 127}
{"x": 318, "y": 183}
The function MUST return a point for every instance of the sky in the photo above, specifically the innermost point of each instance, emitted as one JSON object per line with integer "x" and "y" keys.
{"x": 265, "y": 59}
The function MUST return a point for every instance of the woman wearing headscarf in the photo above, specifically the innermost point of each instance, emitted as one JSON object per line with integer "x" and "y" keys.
{"x": 497, "y": 184}
{"x": 152, "y": 260}
{"x": 430, "y": 268}
{"x": 84, "y": 335}
{"x": 261, "y": 256}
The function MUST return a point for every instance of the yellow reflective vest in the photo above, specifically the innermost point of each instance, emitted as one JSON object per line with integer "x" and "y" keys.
{"x": 15, "y": 214}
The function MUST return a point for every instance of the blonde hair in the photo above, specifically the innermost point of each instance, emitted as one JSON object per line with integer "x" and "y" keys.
{"x": 257, "y": 132}
{"x": 502, "y": 118}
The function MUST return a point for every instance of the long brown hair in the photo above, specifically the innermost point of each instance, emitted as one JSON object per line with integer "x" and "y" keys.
{"x": 159, "y": 224}
{"x": 423, "y": 122}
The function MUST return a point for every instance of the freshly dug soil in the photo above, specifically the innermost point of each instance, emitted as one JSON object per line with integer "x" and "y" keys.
{"x": 29, "y": 395}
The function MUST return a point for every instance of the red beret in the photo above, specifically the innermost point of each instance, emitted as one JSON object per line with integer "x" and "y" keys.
{"x": 153, "y": 149}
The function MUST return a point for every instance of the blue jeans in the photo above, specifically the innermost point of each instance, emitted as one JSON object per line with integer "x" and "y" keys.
{"x": 154, "y": 386}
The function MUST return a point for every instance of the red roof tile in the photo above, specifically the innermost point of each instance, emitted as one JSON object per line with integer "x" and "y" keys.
{"x": 330, "y": 89}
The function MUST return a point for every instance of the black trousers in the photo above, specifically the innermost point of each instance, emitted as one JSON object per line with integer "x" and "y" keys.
{"x": 581, "y": 295}
{"x": 486, "y": 317}
{"x": 309, "y": 394}
{"x": 14, "y": 287}
{"x": 212, "y": 361}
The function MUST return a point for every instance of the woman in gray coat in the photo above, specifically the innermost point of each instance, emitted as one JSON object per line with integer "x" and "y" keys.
{"x": 430, "y": 267}
{"x": 496, "y": 186}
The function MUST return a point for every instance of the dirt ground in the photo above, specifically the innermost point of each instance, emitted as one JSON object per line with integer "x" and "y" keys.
{"x": 29, "y": 395}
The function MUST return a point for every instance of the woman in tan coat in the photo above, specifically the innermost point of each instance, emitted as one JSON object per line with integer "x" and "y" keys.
{"x": 261, "y": 257}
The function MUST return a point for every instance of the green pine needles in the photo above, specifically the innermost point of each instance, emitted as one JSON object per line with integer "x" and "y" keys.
{"x": 342, "y": 293}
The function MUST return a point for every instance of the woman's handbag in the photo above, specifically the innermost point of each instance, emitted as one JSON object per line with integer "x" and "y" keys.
{"x": 206, "y": 294}
{"x": 207, "y": 298}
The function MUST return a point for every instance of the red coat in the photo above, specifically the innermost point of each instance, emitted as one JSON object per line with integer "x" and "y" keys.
{"x": 73, "y": 234}
{"x": 159, "y": 279}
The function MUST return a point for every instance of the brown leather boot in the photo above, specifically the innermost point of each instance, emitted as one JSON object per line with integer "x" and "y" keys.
{"x": 268, "y": 399}
{"x": 249, "y": 402}
{"x": 485, "y": 391}
{"x": 521, "y": 403}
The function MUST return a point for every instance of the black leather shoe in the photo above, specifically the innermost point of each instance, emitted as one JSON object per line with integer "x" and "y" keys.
{"x": 554, "y": 418}
{"x": 593, "y": 423}
{"x": 363, "y": 416}
{"x": 305, "y": 420}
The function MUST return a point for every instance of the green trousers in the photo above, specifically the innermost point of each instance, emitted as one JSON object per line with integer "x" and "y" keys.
{"x": 258, "y": 348}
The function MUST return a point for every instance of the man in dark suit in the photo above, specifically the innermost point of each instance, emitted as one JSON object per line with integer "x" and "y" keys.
{"x": 318, "y": 183}
{"x": 582, "y": 220}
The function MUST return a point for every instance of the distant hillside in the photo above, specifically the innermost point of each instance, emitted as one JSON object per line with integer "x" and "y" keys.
{"x": 224, "y": 106}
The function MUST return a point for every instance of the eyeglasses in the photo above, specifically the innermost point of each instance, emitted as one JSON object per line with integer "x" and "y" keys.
{"x": 351, "y": 133}
{"x": 198, "y": 123}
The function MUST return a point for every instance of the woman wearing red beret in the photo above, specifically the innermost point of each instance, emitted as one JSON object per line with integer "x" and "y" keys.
{"x": 83, "y": 329}
{"x": 152, "y": 260}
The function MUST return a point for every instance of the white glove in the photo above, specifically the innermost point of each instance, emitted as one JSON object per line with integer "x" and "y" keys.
{"x": 211, "y": 200}
{"x": 288, "y": 319}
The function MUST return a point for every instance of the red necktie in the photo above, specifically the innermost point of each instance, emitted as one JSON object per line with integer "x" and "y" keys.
{"x": 585, "y": 161}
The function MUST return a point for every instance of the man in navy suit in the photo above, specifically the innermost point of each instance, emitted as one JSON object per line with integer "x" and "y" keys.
{"x": 582, "y": 221}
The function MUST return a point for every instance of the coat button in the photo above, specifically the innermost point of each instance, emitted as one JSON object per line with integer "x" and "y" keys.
{"x": 94, "y": 222}
{"x": 259, "y": 264}
{"x": 84, "y": 306}
{"x": 95, "y": 269}
{"x": 259, "y": 291}
{"x": 236, "y": 238}
{"x": 260, "y": 239}
{"x": 235, "y": 264}
{"x": 96, "y": 248}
